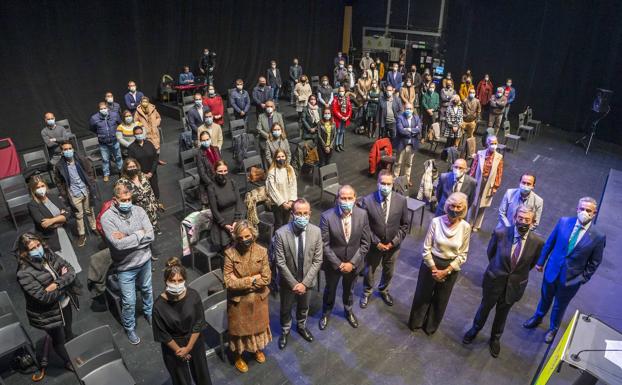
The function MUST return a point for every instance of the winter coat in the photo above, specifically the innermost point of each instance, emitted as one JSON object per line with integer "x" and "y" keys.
{"x": 150, "y": 120}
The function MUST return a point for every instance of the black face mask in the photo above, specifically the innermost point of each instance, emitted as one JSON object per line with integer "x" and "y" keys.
{"x": 221, "y": 179}
{"x": 452, "y": 213}
{"x": 245, "y": 244}
{"x": 132, "y": 173}
{"x": 522, "y": 229}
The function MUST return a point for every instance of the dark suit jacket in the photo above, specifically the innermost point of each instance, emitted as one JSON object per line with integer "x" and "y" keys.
{"x": 396, "y": 105}
{"x": 395, "y": 82}
{"x": 287, "y": 258}
{"x": 445, "y": 186}
{"x": 336, "y": 249}
{"x": 396, "y": 226}
{"x": 39, "y": 212}
{"x": 580, "y": 264}
{"x": 403, "y": 136}
{"x": 274, "y": 81}
{"x": 499, "y": 276}
{"x": 195, "y": 119}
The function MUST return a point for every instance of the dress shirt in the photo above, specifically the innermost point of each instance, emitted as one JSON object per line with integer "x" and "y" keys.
{"x": 584, "y": 228}
{"x": 457, "y": 184}
{"x": 297, "y": 234}
{"x": 518, "y": 238}
{"x": 446, "y": 243}
{"x": 346, "y": 223}
{"x": 388, "y": 200}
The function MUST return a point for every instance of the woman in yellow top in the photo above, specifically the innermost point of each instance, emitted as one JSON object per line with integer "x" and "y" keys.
{"x": 464, "y": 88}
{"x": 125, "y": 131}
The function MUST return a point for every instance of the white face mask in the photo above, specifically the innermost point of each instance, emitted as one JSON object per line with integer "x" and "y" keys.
{"x": 458, "y": 173}
{"x": 493, "y": 147}
{"x": 132, "y": 89}
{"x": 109, "y": 100}
{"x": 584, "y": 217}
{"x": 41, "y": 191}
{"x": 269, "y": 110}
{"x": 175, "y": 288}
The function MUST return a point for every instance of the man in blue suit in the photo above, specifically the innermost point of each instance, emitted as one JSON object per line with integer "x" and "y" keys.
{"x": 194, "y": 116}
{"x": 394, "y": 78}
{"x": 133, "y": 97}
{"x": 572, "y": 253}
{"x": 406, "y": 141}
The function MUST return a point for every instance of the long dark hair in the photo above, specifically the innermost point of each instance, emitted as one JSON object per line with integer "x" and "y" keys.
{"x": 173, "y": 267}
{"x": 22, "y": 245}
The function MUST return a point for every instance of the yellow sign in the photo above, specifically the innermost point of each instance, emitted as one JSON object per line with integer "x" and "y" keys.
{"x": 556, "y": 358}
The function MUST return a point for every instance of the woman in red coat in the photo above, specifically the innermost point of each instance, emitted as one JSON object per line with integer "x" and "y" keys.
{"x": 484, "y": 90}
{"x": 214, "y": 102}
{"x": 342, "y": 113}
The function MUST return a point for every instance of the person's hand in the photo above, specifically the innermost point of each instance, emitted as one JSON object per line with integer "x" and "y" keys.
{"x": 327, "y": 150}
{"x": 539, "y": 268}
{"x": 382, "y": 247}
{"x": 263, "y": 105}
{"x": 202, "y": 70}
{"x": 51, "y": 287}
{"x": 229, "y": 228}
{"x": 455, "y": 128}
{"x": 148, "y": 175}
{"x": 441, "y": 275}
{"x": 217, "y": 116}
{"x": 299, "y": 289}
{"x": 63, "y": 270}
{"x": 47, "y": 222}
{"x": 242, "y": 113}
{"x": 347, "y": 267}
{"x": 140, "y": 233}
{"x": 118, "y": 235}
{"x": 493, "y": 191}
{"x": 181, "y": 353}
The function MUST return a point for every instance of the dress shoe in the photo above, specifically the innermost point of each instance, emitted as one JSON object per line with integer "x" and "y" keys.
{"x": 306, "y": 334}
{"x": 82, "y": 240}
{"x": 323, "y": 322}
{"x": 260, "y": 357}
{"x": 494, "y": 346}
{"x": 352, "y": 319}
{"x": 386, "y": 297}
{"x": 283, "y": 341}
{"x": 532, "y": 322}
{"x": 470, "y": 336}
{"x": 550, "y": 336}
{"x": 240, "y": 365}
{"x": 364, "y": 301}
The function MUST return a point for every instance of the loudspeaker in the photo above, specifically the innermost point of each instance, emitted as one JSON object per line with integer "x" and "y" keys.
{"x": 601, "y": 101}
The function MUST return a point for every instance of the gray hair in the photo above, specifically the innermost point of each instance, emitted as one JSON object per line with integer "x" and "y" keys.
{"x": 589, "y": 200}
{"x": 526, "y": 210}
{"x": 491, "y": 137}
{"x": 457, "y": 198}
{"x": 120, "y": 188}
{"x": 243, "y": 225}
{"x": 345, "y": 187}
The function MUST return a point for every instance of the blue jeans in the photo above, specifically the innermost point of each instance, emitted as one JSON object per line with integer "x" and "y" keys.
{"x": 341, "y": 133}
{"x": 110, "y": 149}
{"x": 128, "y": 280}
{"x": 275, "y": 94}
{"x": 559, "y": 295}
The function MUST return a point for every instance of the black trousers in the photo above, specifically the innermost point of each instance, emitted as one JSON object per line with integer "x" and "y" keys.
{"x": 154, "y": 183}
{"x": 184, "y": 372}
{"x": 431, "y": 298}
{"x": 490, "y": 300}
{"x": 324, "y": 157}
{"x": 58, "y": 336}
{"x": 330, "y": 290}
{"x": 374, "y": 259}
{"x": 281, "y": 217}
{"x": 288, "y": 298}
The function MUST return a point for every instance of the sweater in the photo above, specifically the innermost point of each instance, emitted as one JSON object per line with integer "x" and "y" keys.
{"x": 281, "y": 188}
{"x": 447, "y": 243}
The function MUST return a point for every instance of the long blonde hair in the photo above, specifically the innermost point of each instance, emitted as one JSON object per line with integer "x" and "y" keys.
{"x": 32, "y": 187}
{"x": 291, "y": 175}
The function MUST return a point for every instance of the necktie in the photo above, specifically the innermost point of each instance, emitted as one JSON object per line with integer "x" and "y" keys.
{"x": 384, "y": 209}
{"x": 516, "y": 252}
{"x": 301, "y": 257}
{"x": 574, "y": 238}
{"x": 455, "y": 189}
{"x": 346, "y": 228}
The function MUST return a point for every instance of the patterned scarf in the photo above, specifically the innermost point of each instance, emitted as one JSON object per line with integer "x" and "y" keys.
{"x": 343, "y": 102}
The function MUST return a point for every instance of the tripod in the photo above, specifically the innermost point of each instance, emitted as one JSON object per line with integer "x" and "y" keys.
{"x": 586, "y": 140}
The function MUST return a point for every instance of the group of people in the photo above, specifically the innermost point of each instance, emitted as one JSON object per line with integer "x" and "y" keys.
{"x": 355, "y": 237}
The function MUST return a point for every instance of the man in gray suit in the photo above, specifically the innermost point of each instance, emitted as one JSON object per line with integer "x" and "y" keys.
{"x": 458, "y": 180}
{"x": 298, "y": 253}
{"x": 388, "y": 221}
{"x": 523, "y": 195}
{"x": 346, "y": 237}
{"x": 264, "y": 125}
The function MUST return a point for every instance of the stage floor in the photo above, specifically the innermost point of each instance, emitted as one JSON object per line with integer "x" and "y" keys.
{"x": 382, "y": 350}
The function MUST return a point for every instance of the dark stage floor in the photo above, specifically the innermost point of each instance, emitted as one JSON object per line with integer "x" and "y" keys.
{"x": 382, "y": 350}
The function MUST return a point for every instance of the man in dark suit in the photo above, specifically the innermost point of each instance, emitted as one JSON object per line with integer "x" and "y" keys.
{"x": 133, "y": 97}
{"x": 394, "y": 78}
{"x": 388, "y": 221}
{"x": 456, "y": 181}
{"x": 572, "y": 253}
{"x": 512, "y": 252}
{"x": 390, "y": 108}
{"x": 298, "y": 253}
{"x": 194, "y": 116}
{"x": 274, "y": 81}
{"x": 346, "y": 237}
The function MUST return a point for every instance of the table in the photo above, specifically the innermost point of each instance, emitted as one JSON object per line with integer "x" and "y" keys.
{"x": 182, "y": 88}
{"x": 414, "y": 205}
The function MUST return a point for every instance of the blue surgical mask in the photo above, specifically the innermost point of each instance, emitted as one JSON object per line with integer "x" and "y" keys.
{"x": 68, "y": 154}
{"x": 140, "y": 136}
{"x": 50, "y": 122}
{"x": 276, "y": 134}
{"x": 524, "y": 189}
{"x": 128, "y": 119}
{"x": 37, "y": 254}
{"x": 104, "y": 112}
{"x": 206, "y": 143}
{"x": 384, "y": 189}
{"x": 198, "y": 102}
{"x": 301, "y": 221}
{"x": 209, "y": 121}
{"x": 408, "y": 113}
{"x": 346, "y": 206}
{"x": 124, "y": 206}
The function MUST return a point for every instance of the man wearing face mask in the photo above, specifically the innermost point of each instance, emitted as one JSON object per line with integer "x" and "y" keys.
{"x": 213, "y": 102}
{"x": 457, "y": 180}
{"x": 521, "y": 196}
{"x": 273, "y": 74}
{"x": 415, "y": 77}
{"x": 390, "y": 110}
{"x": 194, "y": 116}
{"x": 207, "y": 64}
{"x": 261, "y": 94}
{"x": 512, "y": 252}
{"x": 569, "y": 259}
{"x": 104, "y": 124}
{"x": 388, "y": 221}
{"x": 111, "y": 104}
{"x": 472, "y": 111}
{"x": 430, "y": 103}
{"x": 213, "y": 129}
{"x": 146, "y": 155}
{"x": 340, "y": 57}
{"x": 133, "y": 96}
{"x": 240, "y": 101}
{"x": 52, "y": 135}
{"x": 406, "y": 141}
{"x": 340, "y": 73}
{"x": 129, "y": 234}
{"x": 298, "y": 251}
{"x": 350, "y": 78}
{"x": 365, "y": 62}
{"x": 346, "y": 236}
{"x": 498, "y": 102}
{"x": 394, "y": 78}
{"x": 487, "y": 169}
{"x": 484, "y": 91}
{"x": 265, "y": 121}
{"x": 511, "y": 95}
{"x": 186, "y": 77}
{"x": 295, "y": 72}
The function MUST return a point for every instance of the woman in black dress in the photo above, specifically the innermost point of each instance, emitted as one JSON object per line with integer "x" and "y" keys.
{"x": 226, "y": 206}
{"x": 178, "y": 320}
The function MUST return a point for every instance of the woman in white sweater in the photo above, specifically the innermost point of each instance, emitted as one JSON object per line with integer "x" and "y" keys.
{"x": 281, "y": 187}
{"x": 445, "y": 249}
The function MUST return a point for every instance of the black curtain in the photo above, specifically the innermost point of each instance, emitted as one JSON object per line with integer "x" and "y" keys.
{"x": 556, "y": 51}
{"x": 62, "y": 56}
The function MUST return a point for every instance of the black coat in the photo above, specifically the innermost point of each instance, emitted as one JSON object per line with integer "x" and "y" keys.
{"x": 42, "y": 308}
{"x": 62, "y": 179}
{"x": 499, "y": 276}
{"x": 39, "y": 212}
{"x": 446, "y": 184}
{"x": 227, "y": 207}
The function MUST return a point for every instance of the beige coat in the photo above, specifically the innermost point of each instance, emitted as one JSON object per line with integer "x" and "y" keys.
{"x": 302, "y": 92}
{"x": 485, "y": 200}
{"x": 408, "y": 95}
{"x": 150, "y": 120}
{"x": 215, "y": 133}
{"x": 362, "y": 89}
